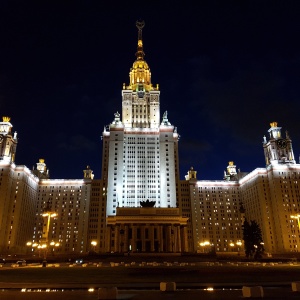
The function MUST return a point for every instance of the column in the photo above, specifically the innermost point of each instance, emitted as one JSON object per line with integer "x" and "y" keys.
{"x": 152, "y": 237}
{"x": 175, "y": 240}
{"x": 117, "y": 246}
{"x": 164, "y": 238}
{"x": 185, "y": 239}
{"x": 157, "y": 227}
{"x": 108, "y": 239}
{"x": 126, "y": 246}
{"x": 179, "y": 238}
{"x": 133, "y": 245}
{"x": 159, "y": 233}
{"x": 121, "y": 233}
{"x": 143, "y": 237}
{"x": 169, "y": 239}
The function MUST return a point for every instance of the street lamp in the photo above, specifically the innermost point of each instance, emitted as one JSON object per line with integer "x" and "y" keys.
{"x": 204, "y": 244}
{"x": 46, "y": 224}
{"x": 239, "y": 244}
{"x": 47, "y": 215}
{"x": 36, "y": 245}
{"x": 28, "y": 244}
{"x": 298, "y": 219}
{"x": 94, "y": 244}
{"x": 54, "y": 245}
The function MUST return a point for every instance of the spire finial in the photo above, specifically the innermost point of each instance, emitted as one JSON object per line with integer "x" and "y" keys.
{"x": 140, "y": 53}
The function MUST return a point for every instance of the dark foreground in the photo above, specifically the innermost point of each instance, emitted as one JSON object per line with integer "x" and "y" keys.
{"x": 142, "y": 280}
{"x": 227, "y": 294}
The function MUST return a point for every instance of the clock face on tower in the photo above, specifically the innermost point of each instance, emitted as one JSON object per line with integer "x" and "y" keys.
{"x": 281, "y": 143}
{"x": 141, "y": 94}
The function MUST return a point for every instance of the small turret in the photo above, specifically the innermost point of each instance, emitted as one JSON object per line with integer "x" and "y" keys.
{"x": 41, "y": 170}
{"x": 278, "y": 150}
{"x": 192, "y": 174}
{"x": 230, "y": 173}
{"x": 88, "y": 173}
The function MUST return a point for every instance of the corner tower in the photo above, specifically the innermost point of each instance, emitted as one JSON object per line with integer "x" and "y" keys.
{"x": 140, "y": 151}
{"x": 8, "y": 142}
{"x": 278, "y": 150}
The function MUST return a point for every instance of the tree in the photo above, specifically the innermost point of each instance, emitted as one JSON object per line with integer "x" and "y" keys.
{"x": 253, "y": 241}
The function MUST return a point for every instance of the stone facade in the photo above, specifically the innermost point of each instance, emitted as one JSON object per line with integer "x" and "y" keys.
{"x": 147, "y": 229}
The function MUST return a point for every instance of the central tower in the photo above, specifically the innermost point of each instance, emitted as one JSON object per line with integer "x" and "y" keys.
{"x": 140, "y": 100}
{"x": 140, "y": 152}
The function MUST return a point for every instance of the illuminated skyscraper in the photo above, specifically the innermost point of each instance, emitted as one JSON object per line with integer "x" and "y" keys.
{"x": 140, "y": 157}
{"x": 140, "y": 204}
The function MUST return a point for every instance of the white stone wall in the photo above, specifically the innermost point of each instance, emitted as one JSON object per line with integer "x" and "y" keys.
{"x": 215, "y": 216}
{"x": 70, "y": 199}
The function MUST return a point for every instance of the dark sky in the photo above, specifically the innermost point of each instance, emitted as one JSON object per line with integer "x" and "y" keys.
{"x": 226, "y": 69}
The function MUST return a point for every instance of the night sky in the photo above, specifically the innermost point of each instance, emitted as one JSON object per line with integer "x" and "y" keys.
{"x": 226, "y": 69}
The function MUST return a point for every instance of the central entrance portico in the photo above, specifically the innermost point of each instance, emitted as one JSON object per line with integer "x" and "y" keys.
{"x": 147, "y": 229}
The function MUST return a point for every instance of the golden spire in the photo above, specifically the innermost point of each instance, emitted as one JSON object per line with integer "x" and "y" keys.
{"x": 273, "y": 124}
{"x": 140, "y": 53}
{"x": 140, "y": 75}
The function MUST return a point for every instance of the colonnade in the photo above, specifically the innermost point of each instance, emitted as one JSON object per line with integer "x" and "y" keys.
{"x": 138, "y": 237}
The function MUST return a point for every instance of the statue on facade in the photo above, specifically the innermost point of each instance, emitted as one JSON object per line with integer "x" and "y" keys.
{"x": 147, "y": 203}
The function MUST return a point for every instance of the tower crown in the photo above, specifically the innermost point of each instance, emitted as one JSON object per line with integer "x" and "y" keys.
{"x": 274, "y": 131}
{"x": 6, "y": 119}
{"x": 140, "y": 74}
{"x": 5, "y": 126}
{"x": 140, "y": 100}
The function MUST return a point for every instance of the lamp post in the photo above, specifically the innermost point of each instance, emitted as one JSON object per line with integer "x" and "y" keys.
{"x": 298, "y": 219}
{"x": 47, "y": 215}
{"x": 94, "y": 244}
{"x": 53, "y": 246}
{"x": 204, "y": 244}
{"x": 35, "y": 245}
{"x": 239, "y": 244}
{"x": 28, "y": 244}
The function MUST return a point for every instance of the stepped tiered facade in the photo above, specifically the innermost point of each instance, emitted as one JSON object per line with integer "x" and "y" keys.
{"x": 140, "y": 204}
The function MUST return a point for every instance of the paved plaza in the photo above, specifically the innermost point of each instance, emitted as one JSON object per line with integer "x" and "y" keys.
{"x": 141, "y": 280}
{"x": 269, "y": 293}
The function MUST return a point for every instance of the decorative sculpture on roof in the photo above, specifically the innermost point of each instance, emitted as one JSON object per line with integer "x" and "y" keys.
{"x": 165, "y": 120}
{"x": 147, "y": 203}
{"x": 117, "y": 119}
